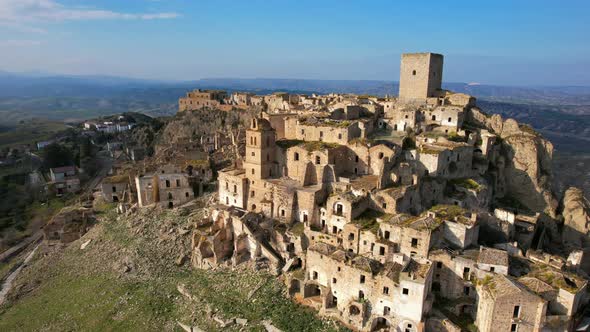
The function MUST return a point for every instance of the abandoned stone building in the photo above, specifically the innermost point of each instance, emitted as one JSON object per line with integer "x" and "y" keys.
{"x": 383, "y": 213}
{"x": 64, "y": 180}
{"x": 166, "y": 187}
{"x": 116, "y": 189}
{"x": 199, "y": 99}
{"x": 68, "y": 225}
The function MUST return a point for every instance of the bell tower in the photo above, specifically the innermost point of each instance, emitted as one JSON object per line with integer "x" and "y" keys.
{"x": 260, "y": 150}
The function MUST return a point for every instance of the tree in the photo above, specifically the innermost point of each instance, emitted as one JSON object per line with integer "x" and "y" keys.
{"x": 86, "y": 148}
{"x": 57, "y": 155}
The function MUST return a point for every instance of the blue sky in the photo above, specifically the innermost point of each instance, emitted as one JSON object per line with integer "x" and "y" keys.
{"x": 516, "y": 42}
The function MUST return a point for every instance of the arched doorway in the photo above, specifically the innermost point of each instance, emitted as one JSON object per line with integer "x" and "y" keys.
{"x": 312, "y": 290}
{"x": 380, "y": 324}
{"x": 294, "y": 287}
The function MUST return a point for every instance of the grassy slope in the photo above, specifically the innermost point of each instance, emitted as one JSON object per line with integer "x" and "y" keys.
{"x": 87, "y": 290}
{"x": 30, "y": 132}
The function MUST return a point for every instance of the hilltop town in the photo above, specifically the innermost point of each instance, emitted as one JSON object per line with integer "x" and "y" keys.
{"x": 418, "y": 212}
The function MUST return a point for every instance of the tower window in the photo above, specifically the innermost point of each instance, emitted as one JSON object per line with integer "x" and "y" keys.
{"x": 318, "y": 160}
{"x": 516, "y": 311}
{"x": 414, "y": 72}
{"x": 296, "y": 156}
{"x": 362, "y": 279}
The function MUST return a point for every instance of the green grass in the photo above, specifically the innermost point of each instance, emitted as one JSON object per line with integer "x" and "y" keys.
{"x": 467, "y": 183}
{"x": 30, "y": 132}
{"x": 94, "y": 303}
{"x": 448, "y": 212}
{"x": 85, "y": 290}
{"x": 368, "y": 220}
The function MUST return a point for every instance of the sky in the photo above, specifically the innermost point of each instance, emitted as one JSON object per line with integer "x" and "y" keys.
{"x": 508, "y": 42}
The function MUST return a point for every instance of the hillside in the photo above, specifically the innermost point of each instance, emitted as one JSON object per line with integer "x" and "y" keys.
{"x": 129, "y": 276}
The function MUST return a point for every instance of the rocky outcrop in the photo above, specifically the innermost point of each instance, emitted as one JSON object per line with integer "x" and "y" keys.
{"x": 527, "y": 169}
{"x": 194, "y": 124}
{"x": 576, "y": 219}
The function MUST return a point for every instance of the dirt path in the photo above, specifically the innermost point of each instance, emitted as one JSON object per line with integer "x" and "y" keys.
{"x": 15, "y": 250}
{"x": 7, "y": 284}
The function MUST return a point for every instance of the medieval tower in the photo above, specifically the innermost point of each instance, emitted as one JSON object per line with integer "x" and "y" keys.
{"x": 420, "y": 76}
{"x": 260, "y": 150}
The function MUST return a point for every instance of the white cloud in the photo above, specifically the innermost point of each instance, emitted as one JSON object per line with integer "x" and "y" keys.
{"x": 24, "y": 14}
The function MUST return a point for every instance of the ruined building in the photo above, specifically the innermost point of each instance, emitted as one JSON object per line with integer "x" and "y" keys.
{"x": 389, "y": 213}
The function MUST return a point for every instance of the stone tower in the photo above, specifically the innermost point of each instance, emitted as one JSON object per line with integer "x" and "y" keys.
{"x": 260, "y": 150}
{"x": 420, "y": 76}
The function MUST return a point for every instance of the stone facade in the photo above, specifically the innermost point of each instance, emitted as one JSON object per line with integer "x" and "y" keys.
{"x": 199, "y": 99}
{"x": 167, "y": 187}
{"x": 116, "y": 189}
{"x": 376, "y": 210}
{"x": 420, "y": 76}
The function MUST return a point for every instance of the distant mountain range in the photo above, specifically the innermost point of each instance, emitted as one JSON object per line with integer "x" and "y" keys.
{"x": 31, "y": 85}
{"x": 561, "y": 113}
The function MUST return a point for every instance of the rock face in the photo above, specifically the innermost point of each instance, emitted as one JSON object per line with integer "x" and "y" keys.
{"x": 528, "y": 171}
{"x": 576, "y": 224}
{"x": 195, "y": 124}
{"x": 527, "y": 161}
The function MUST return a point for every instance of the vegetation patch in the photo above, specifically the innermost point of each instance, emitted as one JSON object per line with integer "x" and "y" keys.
{"x": 288, "y": 143}
{"x": 368, "y": 220}
{"x": 448, "y": 212}
{"x": 467, "y": 184}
